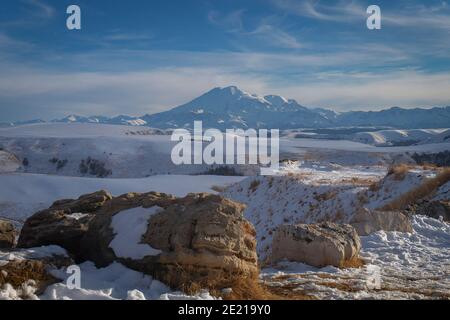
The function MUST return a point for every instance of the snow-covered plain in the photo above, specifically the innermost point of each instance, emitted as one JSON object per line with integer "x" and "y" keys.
{"x": 60, "y": 149}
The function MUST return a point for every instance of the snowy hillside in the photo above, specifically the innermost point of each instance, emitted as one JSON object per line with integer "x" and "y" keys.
{"x": 99, "y": 150}
{"x": 93, "y": 150}
{"x": 403, "y": 137}
{"x": 310, "y": 196}
{"x": 372, "y": 136}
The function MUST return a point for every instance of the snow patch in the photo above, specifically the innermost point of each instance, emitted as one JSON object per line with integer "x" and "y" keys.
{"x": 129, "y": 227}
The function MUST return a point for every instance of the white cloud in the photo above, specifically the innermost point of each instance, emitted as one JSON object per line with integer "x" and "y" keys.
{"x": 375, "y": 91}
{"x": 232, "y": 21}
{"x": 41, "y": 8}
{"x": 266, "y": 31}
{"x": 349, "y": 11}
{"x": 88, "y": 93}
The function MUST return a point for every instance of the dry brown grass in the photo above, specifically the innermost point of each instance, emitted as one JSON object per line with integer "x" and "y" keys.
{"x": 428, "y": 187}
{"x": 248, "y": 290}
{"x": 245, "y": 288}
{"x": 254, "y": 185}
{"x": 375, "y": 187}
{"x": 399, "y": 171}
{"x": 354, "y": 263}
{"x": 360, "y": 182}
{"x": 326, "y": 196}
{"x": 16, "y": 273}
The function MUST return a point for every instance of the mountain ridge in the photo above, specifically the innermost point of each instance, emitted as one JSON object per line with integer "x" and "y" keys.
{"x": 231, "y": 107}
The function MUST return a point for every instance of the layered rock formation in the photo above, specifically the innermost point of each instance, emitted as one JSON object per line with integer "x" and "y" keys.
{"x": 367, "y": 221}
{"x": 319, "y": 245}
{"x": 64, "y": 223}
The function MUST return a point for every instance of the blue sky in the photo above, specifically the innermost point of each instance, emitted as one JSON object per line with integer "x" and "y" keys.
{"x": 135, "y": 57}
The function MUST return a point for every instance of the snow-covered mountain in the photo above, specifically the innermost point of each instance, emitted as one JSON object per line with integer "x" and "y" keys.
{"x": 231, "y": 107}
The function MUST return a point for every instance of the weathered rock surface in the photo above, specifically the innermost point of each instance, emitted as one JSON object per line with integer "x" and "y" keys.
{"x": 366, "y": 221}
{"x": 63, "y": 224}
{"x": 7, "y": 235}
{"x": 95, "y": 243}
{"x": 318, "y": 245}
{"x": 203, "y": 239}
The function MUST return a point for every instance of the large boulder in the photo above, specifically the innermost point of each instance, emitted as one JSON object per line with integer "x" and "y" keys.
{"x": 63, "y": 224}
{"x": 366, "y": 221}
{"x": 318, "y": 245}
{"x": 201, "y": 239}
{"x": 7, "y": 234}
{"x": 198, "y": 241}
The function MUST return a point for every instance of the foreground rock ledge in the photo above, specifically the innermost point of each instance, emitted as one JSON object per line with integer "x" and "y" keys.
{"x": 203, "y": 239}
{"x": 366, "y": 221}
{"x": 318, "y": 245}
{"x": 64, "y": 223}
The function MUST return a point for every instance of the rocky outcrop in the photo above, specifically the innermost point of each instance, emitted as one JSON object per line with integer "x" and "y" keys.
{"x": 63, "y": 224}
{"x": 366, "y": 221}
{"x": 199, "y": 240}
{"x": 7, "y": 235}
{"x": 318, "y": 245}
{"x": 203, "y": 240}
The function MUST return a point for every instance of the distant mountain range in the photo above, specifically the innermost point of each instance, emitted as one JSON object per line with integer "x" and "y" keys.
{"x": 231, "y": 107}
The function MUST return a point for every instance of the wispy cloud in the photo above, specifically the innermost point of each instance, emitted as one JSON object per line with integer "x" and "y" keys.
{"x": 8, "y": 43}
{"x": 232, "y": 21}
{"x": 344, "y": 11}
{"x": 266, "y": 31}
{"x": 275, "y": 36}
{"x": 31, "y": 92}
{"x": 375, "y": 91}
{"x": 128, "y": 36}
{"x": 349, "y": 11}
{"x": 41, "y": 8}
